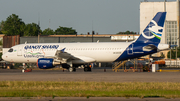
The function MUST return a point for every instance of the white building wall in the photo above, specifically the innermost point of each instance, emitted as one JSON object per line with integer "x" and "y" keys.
{"x": 149, "y": 9}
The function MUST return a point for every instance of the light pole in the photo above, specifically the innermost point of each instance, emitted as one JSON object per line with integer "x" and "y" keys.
{"x": 176, "y": 56}
{"x": 177, "y": 29}
{"x": 176, "y": 52}
{"x": 164, "y": 5}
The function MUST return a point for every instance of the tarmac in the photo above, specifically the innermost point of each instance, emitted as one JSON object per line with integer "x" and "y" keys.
{"x": 97, "y": 75}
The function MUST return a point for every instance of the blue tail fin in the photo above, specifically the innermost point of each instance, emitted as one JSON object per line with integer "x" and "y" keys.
{"x": 153, "y": 32}
{"x": 148, "y": 41}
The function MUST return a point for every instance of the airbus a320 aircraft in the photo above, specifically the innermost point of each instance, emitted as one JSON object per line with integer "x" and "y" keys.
{"x": 71, "y": 55}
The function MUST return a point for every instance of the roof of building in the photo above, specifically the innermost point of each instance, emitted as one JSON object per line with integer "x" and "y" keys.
{"x": 102, "y": 35}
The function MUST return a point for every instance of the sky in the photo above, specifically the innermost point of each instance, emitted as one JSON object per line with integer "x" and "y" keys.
{"x": 102, "y": 16}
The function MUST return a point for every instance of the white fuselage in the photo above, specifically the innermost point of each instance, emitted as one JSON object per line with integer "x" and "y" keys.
{"x": 88, "y": 52}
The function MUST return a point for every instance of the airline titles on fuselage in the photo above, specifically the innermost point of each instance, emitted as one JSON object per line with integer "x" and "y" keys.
{"x": 41, "y": 47}
{"x": 31, "y": 54}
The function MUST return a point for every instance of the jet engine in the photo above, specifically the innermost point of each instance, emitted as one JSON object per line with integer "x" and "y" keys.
{"x": 46, "y": 63}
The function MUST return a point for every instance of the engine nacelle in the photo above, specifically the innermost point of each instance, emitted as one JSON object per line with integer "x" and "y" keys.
{"x": 45, "y": 63}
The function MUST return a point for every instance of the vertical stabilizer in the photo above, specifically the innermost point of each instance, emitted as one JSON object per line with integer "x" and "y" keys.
{"x": 153, "y": 32}
{"x": 149, "y": 40}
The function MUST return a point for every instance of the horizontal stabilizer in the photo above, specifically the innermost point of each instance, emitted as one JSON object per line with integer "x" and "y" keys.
{"x": 173, "y": 46}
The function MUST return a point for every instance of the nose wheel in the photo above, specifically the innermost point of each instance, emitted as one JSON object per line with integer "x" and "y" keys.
{"x": 24, "y": 67}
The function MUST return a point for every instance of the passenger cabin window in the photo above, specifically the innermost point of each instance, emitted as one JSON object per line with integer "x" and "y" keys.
{"x": 10, "y": 50}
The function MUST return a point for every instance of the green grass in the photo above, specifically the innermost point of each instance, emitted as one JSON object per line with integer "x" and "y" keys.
{"x": 88, "y": 89}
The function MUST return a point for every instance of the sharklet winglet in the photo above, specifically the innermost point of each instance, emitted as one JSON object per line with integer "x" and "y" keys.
{"x": 63, "y": 50}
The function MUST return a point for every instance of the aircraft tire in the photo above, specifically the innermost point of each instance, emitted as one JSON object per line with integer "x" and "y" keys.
{"x": 71, "y": 69}
{"x": 89, "y": 69}
{"x": 85, "y": 69}
{"x": 74, "y": 69}
{"x": 22, "y": 70}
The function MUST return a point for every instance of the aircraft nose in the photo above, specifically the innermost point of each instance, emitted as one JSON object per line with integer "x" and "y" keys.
{"x": 4, "y": 57}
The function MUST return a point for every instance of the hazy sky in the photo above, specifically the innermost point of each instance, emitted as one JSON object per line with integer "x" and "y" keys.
{"x": 102, "y": 16}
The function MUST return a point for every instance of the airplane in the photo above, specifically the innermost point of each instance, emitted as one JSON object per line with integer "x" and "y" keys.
{"x": 72, "y": 55}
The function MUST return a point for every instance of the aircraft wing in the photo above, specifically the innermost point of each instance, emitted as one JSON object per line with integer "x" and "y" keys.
{"x": 62, "y": 55}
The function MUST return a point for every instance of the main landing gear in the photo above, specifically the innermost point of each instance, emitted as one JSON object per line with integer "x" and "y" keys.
{"x": 87, "y": 68}
{"x": 72, "y": 69}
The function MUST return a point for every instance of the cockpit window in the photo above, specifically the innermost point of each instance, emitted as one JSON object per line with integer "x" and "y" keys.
{"x": 10, "y": 50}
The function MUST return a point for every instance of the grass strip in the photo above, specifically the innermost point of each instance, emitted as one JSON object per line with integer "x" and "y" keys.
{"x": 88, "y": 89}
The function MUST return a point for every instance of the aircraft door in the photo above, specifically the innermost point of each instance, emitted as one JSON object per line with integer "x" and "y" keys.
{"x": 130, "y": 50}
{"x": 19, "y": 51}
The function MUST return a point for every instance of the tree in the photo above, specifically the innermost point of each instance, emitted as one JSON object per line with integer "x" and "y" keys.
{"x": 173, "y": 53}
{"x": 65, "y": 31}
{"x": 48, "y": 31}
{"x": 1, "y": 27}
{"x": 162, "y": 55}
{"x": 127, "y": 32}
{"x": 32, "y": 30}
{"x": 12, "y": 25}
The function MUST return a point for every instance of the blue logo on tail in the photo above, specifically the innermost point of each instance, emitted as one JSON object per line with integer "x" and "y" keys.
{"x": 153, "y": 31}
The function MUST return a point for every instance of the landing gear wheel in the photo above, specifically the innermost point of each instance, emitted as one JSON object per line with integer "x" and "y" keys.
{"x": 22, "y": 70}
{"x": 89, "y": 69}
{"x": 72, "y": 69}
{"x": 86, "y": 69}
